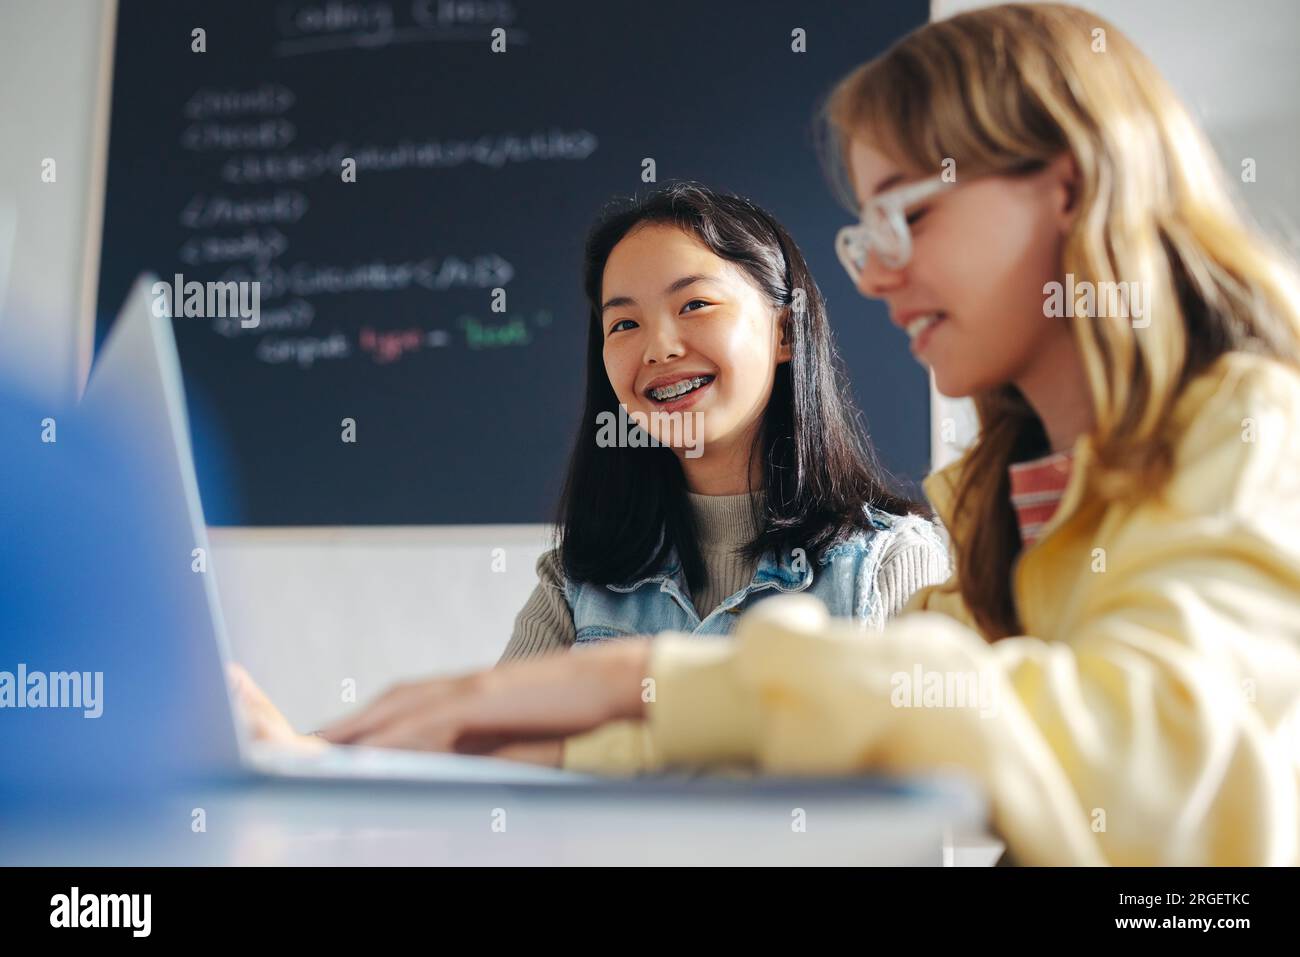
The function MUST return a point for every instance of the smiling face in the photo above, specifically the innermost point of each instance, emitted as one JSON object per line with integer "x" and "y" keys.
{"x": 981, "y": 254}
{"x": 687, "y": 331}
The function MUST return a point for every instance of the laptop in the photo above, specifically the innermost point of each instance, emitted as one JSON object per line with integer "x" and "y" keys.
{"x": 136, "y": 388}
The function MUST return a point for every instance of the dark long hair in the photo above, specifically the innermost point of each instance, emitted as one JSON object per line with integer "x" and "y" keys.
{"x": 624, "y": 509}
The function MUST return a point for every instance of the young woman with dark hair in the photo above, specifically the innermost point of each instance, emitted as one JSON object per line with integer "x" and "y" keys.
{"x": 703, "y": 311}
{"x": 706, "y": 327}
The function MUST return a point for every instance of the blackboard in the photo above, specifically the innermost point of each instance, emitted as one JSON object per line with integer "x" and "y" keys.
{"x": 475, "y": 170}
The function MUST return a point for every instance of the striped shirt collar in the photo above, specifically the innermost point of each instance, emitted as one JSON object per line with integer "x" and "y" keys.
{"x": 1037, "y": 487}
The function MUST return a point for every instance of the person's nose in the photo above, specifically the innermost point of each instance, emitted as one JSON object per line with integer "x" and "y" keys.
{"x": 664, "y": 343}
{"x": 877, "y": 280}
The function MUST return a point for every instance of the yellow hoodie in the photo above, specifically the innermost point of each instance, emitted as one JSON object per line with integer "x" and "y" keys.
{"x": 1150, "y": 715}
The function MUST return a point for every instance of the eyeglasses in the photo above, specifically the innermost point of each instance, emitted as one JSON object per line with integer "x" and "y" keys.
{"x": 884, "y": 228}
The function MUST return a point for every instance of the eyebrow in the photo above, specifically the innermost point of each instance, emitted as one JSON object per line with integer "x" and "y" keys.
{"x": 887, "y": 182}
{"x": 677, "y": 285}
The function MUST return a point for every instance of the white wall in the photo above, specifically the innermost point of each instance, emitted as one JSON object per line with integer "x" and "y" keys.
{"x": 1237, "y": 68}
{"x": 50, "y": 92}
{"x": 309, "y": 608}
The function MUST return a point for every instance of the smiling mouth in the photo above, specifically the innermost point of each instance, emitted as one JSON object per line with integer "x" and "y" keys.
{"x": 918, "y": 326}
{"x": 676, "y": 390}
{"x": 921, "y": 330}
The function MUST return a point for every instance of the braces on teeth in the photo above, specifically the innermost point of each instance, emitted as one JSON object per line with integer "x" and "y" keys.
{"x": 680, "y": 388}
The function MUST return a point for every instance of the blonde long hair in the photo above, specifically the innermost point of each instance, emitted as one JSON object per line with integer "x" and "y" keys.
{"x": 1002, "y": 88}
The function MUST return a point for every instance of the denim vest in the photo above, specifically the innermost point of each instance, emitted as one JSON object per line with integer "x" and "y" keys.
{"x": 843, "y": 577}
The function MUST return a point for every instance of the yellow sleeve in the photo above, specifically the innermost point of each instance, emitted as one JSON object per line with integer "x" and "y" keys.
{"x": 1128, "y": 750}
{"x": 800, "y": 696}
{"x": 620, "y": 748}
{"x": 1160, "y": 726}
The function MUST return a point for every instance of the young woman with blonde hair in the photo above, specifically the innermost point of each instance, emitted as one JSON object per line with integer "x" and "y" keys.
{"x": 1125, "y": 608}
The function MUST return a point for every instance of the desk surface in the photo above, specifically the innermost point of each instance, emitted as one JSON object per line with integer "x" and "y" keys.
{"x": 284, "y": 822}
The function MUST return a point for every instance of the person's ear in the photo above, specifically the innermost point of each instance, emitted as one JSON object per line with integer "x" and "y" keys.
{"x": 784, "y": 350}
{"x": 1066, "y": 187}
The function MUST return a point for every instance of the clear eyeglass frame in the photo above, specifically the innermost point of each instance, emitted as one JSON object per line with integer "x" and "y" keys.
{"x": 883, "y": 228}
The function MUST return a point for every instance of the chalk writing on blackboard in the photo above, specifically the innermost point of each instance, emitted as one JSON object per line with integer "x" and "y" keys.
{"x": 434, "y": 274}
{"x": 268, "y": 99}
{"x": 294, "y": 316}
{"x": 389, "y": 345}
{"x": 341, "y": 24}
{"x": 304, "y": 350}
{"x": 493, "y": 149}
{"x": 259, "y": 246}
{"x": 203, "y": 210}
{"x": 513, "y": 331}
{"x": 270, "y": 134}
